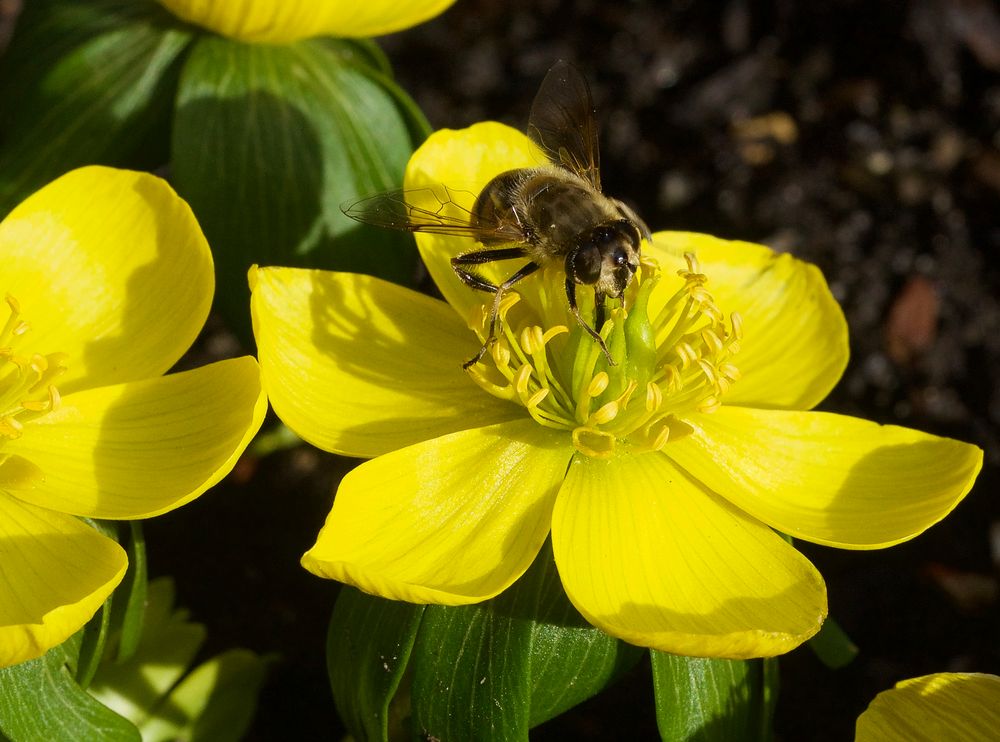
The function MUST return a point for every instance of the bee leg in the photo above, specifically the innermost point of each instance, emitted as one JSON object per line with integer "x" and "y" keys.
{"x": 598, "y": 310}
{"x": 571, "y": 296}
{"x": 479, "y": 257}
{"x": 478, "y": 282}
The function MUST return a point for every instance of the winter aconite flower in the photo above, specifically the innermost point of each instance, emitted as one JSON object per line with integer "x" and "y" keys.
{"x": 283, "y": 21}
{"x": 665, "y": 480}
{"x": 959, "y": 707}
{"x": 108, "y": 280}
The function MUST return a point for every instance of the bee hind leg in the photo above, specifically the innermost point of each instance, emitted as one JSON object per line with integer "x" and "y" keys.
{"x": 598, "y": 316}
{"x": 479, "y": 283}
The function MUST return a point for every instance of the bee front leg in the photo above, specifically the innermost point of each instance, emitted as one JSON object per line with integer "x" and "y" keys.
{"x": 571, "y": 297}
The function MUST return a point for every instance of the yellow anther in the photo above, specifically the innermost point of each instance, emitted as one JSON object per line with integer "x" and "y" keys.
{"x": 527, "y": 340}
{"x": 708, "y": 370}
{"x": 654, "y": 397}
{"x": 686, "y": 353}
{"x": 659, "y": 439}
{"x": 10, "y": 428}
{"x": 729, "y": 371}
{"x": 537, "y": 398}
{"x": 501, "y": 354}
{"x": 672, "y": 378}
{"x": 736, "y": 321}
{"x": 605, "y": 413}
{"x": 521, "y": 380}
{"x": 598, "y": 384}
{"x": 709, "y": 404}
{"x": 592, "y": 442}
{"x": 712, "y": 341}
{"x": 553, "y": 332}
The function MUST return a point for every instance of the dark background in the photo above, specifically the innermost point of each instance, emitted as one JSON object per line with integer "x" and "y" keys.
{"x": 861, "y": 136}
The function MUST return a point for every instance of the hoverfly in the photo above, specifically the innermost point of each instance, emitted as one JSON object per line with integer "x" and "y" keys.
{"x": 553, "y": 215}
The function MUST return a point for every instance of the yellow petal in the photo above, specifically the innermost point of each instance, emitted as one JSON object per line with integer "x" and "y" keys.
{"x": 453, "y": 520}
{"x": 110, "y": 267}
{"x": 828, "y": 478}
{"x": 650, "y": 557}
{"x": 359, "y": 366}
{"x": 56, "y": 573}
{"x": 282, "y": 21}
{"x": 958, "y": 707}
{"x": 140, "y": 449}
{"x": 464, "y": 160}
{"x": 794, "y": 346}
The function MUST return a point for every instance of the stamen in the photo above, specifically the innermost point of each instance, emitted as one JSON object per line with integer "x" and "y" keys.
{"x": 594, "y": 443}
{"x": 681, "y": 360}
{"x": 605, "y": 413}
{"x": 26, "y": 388}
{"x": 654, "y": 397}
{"x": 598, "y": 384}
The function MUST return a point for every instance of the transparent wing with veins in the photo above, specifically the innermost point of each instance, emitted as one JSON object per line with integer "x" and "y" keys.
{"x": 562, "y": 122}
{"x": 435, "y": 210}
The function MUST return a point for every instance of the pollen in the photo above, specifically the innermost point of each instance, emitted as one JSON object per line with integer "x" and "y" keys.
{"x": 27, "y": 388}
{"x": 670, "y": 363}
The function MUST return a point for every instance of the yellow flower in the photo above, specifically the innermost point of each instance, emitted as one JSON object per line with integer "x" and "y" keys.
{"x": 958, "y": 707}
{"x": 284, "y": 21}
{"x": 108, "y": 280}
{"x": 660, "y": 478}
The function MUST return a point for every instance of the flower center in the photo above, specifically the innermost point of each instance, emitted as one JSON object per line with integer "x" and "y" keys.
{"x": 673, "y": 362}
{"x": 26, "y": 388}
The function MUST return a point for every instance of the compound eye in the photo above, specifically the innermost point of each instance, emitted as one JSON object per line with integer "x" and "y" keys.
{"x": 587, "y": 264}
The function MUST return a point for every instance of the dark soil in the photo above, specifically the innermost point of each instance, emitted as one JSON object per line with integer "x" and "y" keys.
{"x": 860, "y": 136}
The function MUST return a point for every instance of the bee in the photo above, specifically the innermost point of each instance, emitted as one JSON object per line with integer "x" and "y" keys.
{"x": 552, "y": 215}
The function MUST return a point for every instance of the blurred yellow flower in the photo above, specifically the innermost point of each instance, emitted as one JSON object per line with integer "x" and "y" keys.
{"x": 108, "y": 281}
{"x": 284, "y": 21}
{"x": 958, "y": 707}
{"x": 662, "y": 480}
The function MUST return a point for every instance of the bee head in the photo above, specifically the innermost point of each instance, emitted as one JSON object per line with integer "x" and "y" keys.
{"x": 607, "y": 257}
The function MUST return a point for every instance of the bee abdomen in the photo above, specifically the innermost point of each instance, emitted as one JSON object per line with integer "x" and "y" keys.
{"x": 500, "y": 205}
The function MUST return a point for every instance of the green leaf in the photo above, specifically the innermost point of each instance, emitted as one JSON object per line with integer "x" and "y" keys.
{"x": 131, "y": 595}
{"x": 494, "y": 670}
{"x": 471, "y": 675}
{"x": 93, "y": 82}
{"x": 269, "y": 141}
{"x": 40, "y": 699}
{"x": 169, "y": 644}
{"x": 94, "y": 636}
{"x": 833, "y": 646}
{"x": 771, "y": 685}
{"x": 711, "y": 700}
{"x": 570, "y": 659}
{"x": 367, "y": 649}
{"x": 215, "y": 703}
{"x": 361, "y": 51}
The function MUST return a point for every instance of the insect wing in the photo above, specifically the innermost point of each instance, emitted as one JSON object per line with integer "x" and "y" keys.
{"x": 563, "y": 124}
{"x": 434, "y": 210}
